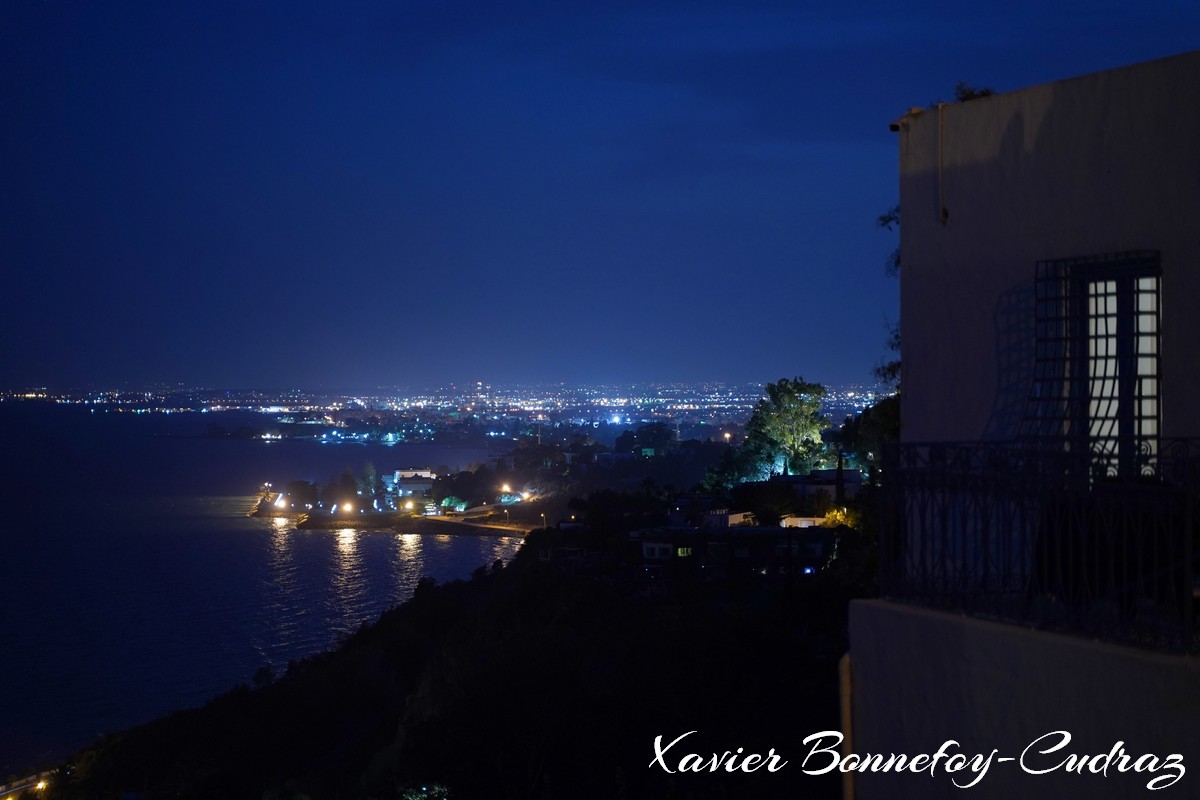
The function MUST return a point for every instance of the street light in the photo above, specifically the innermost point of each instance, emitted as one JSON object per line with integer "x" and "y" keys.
{"x": 543, "y": 520}
{"x": 506, "y": 516}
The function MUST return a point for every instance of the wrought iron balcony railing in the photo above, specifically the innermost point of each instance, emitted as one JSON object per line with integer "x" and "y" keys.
{"x": 1046, "y": 537}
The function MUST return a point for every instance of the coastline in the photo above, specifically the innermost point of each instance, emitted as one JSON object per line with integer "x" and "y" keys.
{"x": 441, "y": 526}
{"x": 375, "y": 521}
{"x": 391, "y": 520}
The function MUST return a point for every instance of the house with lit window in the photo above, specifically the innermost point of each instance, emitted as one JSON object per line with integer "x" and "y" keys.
{"x": 1039, "y": 549}
{"x": 718, "y": 553}
{"x": 414, "y": 482}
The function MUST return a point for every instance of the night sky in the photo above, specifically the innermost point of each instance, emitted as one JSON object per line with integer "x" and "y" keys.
{"x": 409, "y": 194}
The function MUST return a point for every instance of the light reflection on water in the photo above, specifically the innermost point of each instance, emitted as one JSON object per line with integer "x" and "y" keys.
{"x": 326, "y": 583}
{"x": 170, "y": 602}
{"x": 348, "y": 581}
{"x": 281, "y": 584}
{"x": 143, "y": 587}
{"x": 405, "y": 563}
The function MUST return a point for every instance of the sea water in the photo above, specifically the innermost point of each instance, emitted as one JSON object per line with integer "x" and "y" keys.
{"x": 133, "y": 583}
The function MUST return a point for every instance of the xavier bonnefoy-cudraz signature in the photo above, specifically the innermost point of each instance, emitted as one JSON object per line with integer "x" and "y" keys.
{"x": 820, "y": 753}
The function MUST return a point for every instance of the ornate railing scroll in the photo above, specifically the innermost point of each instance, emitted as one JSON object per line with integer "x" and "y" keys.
{"x": 1047, "y": 537}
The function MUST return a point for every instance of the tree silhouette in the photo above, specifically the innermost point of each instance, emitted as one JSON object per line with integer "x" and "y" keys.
{"x": 788, "y": 420}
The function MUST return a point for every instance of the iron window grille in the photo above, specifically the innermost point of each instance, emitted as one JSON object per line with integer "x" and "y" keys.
{"x": 1096, "y": 387}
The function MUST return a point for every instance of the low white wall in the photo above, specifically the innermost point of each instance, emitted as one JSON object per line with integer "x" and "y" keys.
{"x": 922, "y": 677}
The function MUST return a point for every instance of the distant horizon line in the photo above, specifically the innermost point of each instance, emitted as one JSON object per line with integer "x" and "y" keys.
{"x": 363, "y": 390}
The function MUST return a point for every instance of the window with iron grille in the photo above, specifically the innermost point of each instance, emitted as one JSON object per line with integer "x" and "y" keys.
{"x": 1096, "y": 388}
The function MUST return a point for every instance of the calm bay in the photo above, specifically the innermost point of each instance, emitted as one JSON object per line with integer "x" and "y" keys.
{"x": 134, "y": 583}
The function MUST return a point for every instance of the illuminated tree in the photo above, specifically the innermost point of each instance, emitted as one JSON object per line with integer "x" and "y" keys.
{"x": 371, "y": 485}
{"x": 788, "y": 422}
{"x": 453, "y": 503}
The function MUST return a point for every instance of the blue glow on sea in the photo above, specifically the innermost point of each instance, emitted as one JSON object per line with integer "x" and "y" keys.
{"x": 132, "y": 582}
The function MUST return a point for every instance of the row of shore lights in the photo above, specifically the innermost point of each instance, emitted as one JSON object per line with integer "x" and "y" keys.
{"x": 281, "y": 502}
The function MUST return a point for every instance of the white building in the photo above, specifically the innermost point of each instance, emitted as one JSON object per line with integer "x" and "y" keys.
{"x": 1086, "y": 190}
{"x": 1039, "y": 561}
{"x": 414, "y": 482}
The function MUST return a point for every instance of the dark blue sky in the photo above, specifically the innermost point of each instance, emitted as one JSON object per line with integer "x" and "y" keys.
{"x": 365, "y": 194}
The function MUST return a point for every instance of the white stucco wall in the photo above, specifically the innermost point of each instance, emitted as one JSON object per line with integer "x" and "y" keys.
{"x": 1091, "y": 165}
{"x": 923, "y": 677}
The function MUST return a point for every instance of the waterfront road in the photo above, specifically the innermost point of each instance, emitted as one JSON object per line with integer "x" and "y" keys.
{"x": 10, "y": 791}
{"x": 459, "y": 525}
